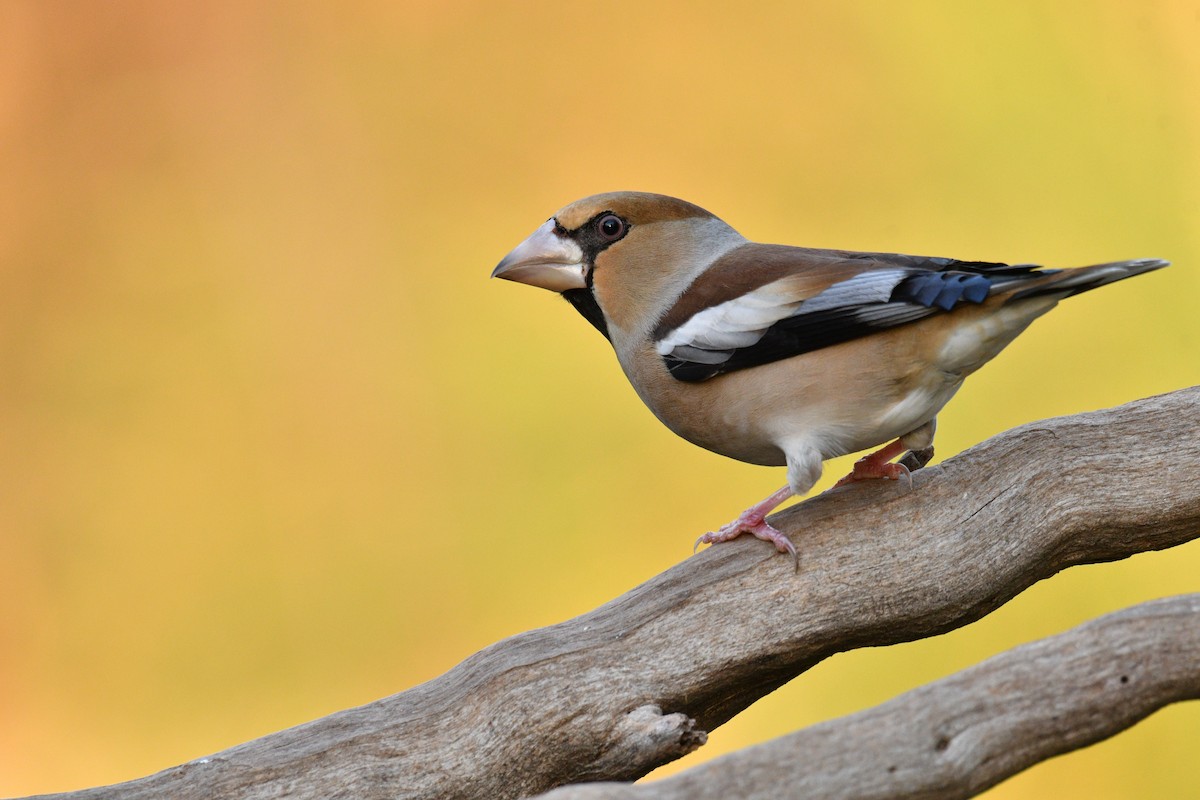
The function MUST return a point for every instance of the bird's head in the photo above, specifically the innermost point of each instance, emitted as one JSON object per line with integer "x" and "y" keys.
{"x": 619, "y": 257}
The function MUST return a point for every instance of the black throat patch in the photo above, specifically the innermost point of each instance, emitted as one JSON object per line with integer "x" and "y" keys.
{"x": 584, "y": 301}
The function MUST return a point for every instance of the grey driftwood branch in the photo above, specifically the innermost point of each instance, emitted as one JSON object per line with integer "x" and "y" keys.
{"x": 638, "y": 682}
{"x": 965, "y": 733}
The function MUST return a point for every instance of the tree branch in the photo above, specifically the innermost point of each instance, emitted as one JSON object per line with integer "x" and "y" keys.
{"x": 963, "y": 734}
{"x": 636, "y": 683}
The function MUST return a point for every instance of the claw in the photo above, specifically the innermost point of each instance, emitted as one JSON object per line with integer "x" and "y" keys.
{"x": 917, "y": 459}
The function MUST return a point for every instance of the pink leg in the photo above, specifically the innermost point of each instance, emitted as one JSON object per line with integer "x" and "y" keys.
{"x": 754, "y": 521}
{"x": 878, "y": 465}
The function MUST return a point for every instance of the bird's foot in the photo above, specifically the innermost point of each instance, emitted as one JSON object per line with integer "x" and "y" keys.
{"x": 754, "y": 522}
{"x": 871, "y": 471}
{"x": 879, "y": 465}
{"x": 760, "y": 529}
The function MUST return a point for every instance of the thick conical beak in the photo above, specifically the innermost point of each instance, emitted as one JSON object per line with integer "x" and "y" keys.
{"x": 545, "y": 259}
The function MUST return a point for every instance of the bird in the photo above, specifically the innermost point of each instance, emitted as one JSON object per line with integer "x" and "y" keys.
{"x": 782, "y": 355}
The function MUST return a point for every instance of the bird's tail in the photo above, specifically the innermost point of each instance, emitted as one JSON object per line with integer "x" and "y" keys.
{"x": 1066, "y": 282}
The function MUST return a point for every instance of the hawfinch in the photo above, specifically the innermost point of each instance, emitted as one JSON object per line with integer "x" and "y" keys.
{"x": 781, "y": 355}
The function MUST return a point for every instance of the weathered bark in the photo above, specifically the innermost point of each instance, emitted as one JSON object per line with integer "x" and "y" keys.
{"x": 958, "y": 736}
{"x": 636, "y": 683}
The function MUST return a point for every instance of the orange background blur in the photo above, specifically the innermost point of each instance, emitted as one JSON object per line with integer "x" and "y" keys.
{"x": 272, "y": 445}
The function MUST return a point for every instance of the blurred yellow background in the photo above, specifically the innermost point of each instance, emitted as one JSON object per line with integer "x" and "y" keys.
{"x": 272, "y": 445}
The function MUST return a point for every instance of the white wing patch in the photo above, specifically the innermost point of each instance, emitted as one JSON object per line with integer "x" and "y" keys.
{"x": 712, "y": 335}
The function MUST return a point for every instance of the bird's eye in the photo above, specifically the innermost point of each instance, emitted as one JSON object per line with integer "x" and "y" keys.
{"x": 611, "y": 227}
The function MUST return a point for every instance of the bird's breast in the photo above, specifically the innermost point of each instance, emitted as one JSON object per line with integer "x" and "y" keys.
{"x": 826, "y": 400}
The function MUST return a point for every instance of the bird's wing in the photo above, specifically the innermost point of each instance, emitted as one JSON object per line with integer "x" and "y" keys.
{"x": 763, "y": 303}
